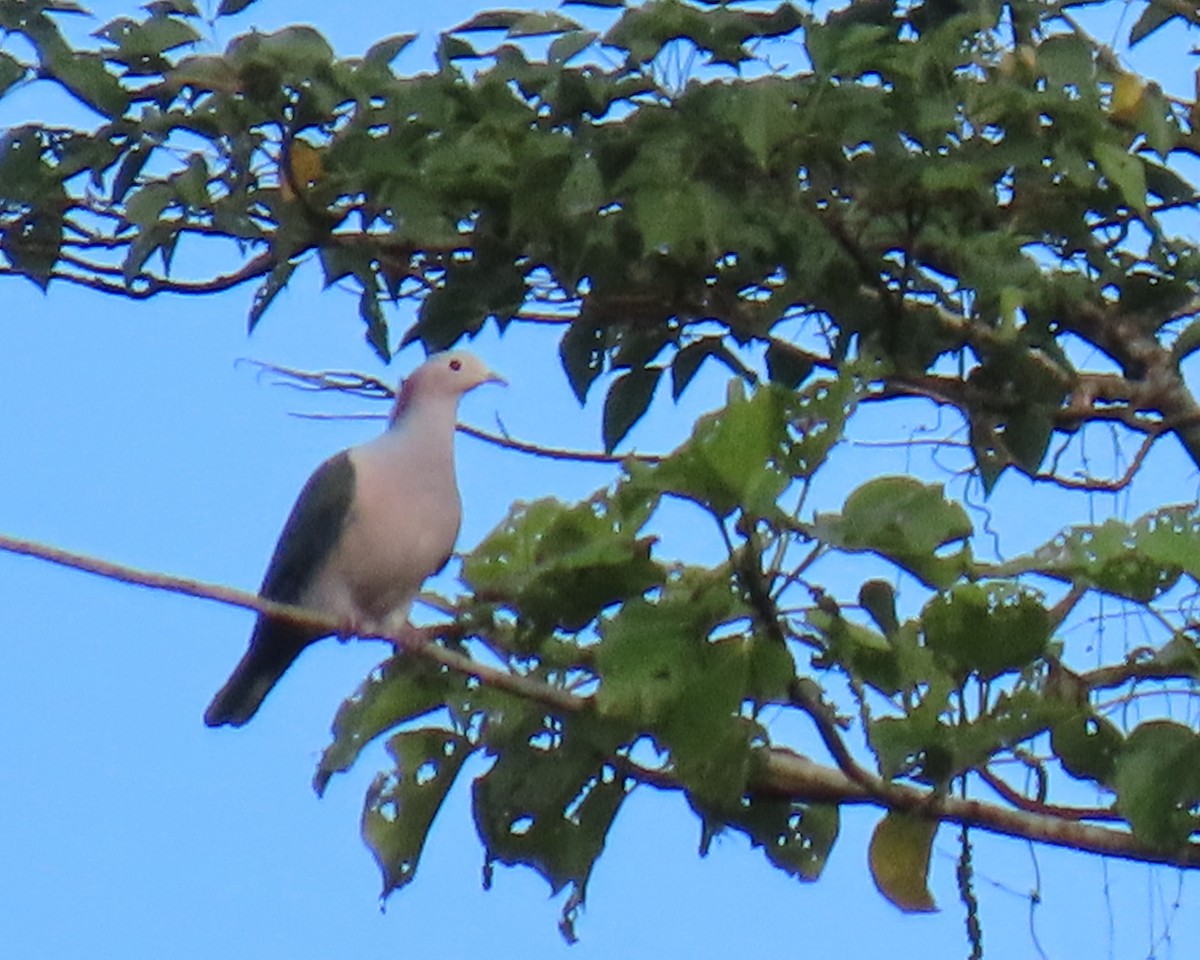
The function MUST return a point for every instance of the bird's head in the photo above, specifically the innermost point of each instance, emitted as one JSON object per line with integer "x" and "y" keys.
{"x": 449, "y": 374}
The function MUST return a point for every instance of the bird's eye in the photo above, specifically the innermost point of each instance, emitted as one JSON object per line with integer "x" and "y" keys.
{"x": 455, "y": 364}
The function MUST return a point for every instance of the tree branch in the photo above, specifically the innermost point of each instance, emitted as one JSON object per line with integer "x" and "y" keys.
{"x": 797, "y": 777}
{"x": 781, "y": 773}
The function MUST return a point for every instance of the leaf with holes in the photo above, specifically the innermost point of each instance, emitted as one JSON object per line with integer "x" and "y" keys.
{"x": 661, "y": 671}
{"x": 796, "y": 837}
{"x": 1139, "y": 561}
{"x": 986, "y": 629}
{"x": 559, "y": 566}
{"x": 1087, "y": 746}
{"x": 400, "y": 805}
{"x": 548, "y": 803}
{"x": 401, "y": 689}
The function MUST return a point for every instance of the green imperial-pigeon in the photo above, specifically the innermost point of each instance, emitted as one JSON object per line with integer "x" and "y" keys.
{"x": 372, "y": 523}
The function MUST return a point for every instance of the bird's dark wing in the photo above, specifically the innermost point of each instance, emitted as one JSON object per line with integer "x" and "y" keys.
{"x": 312, "y": 531}
{"x": 309, "y": 537}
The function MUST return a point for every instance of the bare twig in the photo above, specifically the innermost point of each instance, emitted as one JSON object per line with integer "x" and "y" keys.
{"x": 362, "y": 385}
{"x": 1022, "y": 802}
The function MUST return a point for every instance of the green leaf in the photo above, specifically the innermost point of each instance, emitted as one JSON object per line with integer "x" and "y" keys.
{"x": 927, "y": 745}
{"x": 1170, "y": 538}
{"x": 688, "y": 360}
{"x": 490, "y": 20}
{"x": 131, "y": 166}
{"x": 166, "y": 8}
{"x": 795, "y": 837}
{"x": 582, "y": 351}
{"x": 265, "y": 295}
{"x": 33, "y": 243}
{"x": 730, "y": 461}
{"x": 905, "y": 520}
{"x": 486, "y": 286}
{"x": 301, "y": 49}
{"x": 864, "y": 653}
{"x": 986, "y": 629}
{"x": 1157, "y": 121}
{"x": 191, "y": 184}
{"x": 230, "y": 7}
{"x": 1027, "y": 434}
{"x": 339, "y": 261}
{"x": 1124, "y": 171}
{"x": 745, "y": 455}
{"x": 401, "y": 689}
{"x": 878, "y": 598}
{"x": 451, "y": 48}
{"x": 1157, "y": 779}
{"x": 1139, "y": 561}
{"x": 1153, "y": 17}
{"x": 388, "y": 49}
{"x": 548, "y": 803}
{"x": 542, "y": 24}
{"x": 899, "y": 857}
{"x": 627, "y": 401}
{"x": 12, "y": 71}
{"x": 84, "y": 75}
{"x": 145, "y": 206}
{"x": 570, "y": 45}
{"x": 559, "y": 566}
{"x": 788, "y": 368}
{"x": 400, "y": 806}
{"x": 661, "y": 673}
{"x": 377, "y": 327}
{"x": 140, "y": 42}
{"x": 1087, "y": 746}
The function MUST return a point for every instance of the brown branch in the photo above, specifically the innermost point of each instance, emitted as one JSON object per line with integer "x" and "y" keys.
{"x": 801, "y": 695}
{"x": 797, "y": 777}
{"x": 415, "y": 642}
{"x": 1117, "y": 675}
{"x": 556, "y": 453}
{"x": 146, "y": 286}
{"x": 782, "y": 772}
{"x": 1022, "y": 802}
{"x": 1114, "y": 485}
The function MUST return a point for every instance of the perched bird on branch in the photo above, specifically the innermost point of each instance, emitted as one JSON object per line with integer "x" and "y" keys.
{"x": 370, "y": 526}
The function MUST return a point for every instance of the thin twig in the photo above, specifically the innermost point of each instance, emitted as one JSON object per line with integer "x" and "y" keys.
{"x": 363, "y": 385}
{"x": 1022, "y": 802}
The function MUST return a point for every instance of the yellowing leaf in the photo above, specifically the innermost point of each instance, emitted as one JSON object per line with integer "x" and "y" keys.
{"x": 306, "y": 169}
{"x": 899, "y": 858}
{"x": 1126, "y": 98}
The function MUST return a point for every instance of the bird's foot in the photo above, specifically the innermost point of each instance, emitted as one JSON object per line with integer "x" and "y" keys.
{"x": 351, "y": 627}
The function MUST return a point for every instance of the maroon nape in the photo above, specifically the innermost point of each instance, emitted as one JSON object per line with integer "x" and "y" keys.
{"x": 404, "y": 398}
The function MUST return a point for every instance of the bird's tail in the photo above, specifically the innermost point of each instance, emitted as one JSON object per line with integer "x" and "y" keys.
{"x": 252, "y": 679}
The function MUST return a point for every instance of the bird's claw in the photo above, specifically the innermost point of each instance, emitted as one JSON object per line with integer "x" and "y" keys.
{"x": 349, "y": 628}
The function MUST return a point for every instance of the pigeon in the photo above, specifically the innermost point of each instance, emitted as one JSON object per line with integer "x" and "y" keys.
{"x": 371, "y": 524}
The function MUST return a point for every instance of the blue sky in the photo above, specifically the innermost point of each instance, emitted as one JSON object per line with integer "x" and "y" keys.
{"x": 129, "y": 830}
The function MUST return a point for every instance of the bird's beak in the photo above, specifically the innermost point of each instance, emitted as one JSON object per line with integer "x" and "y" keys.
{"x": 494, "y": 378}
